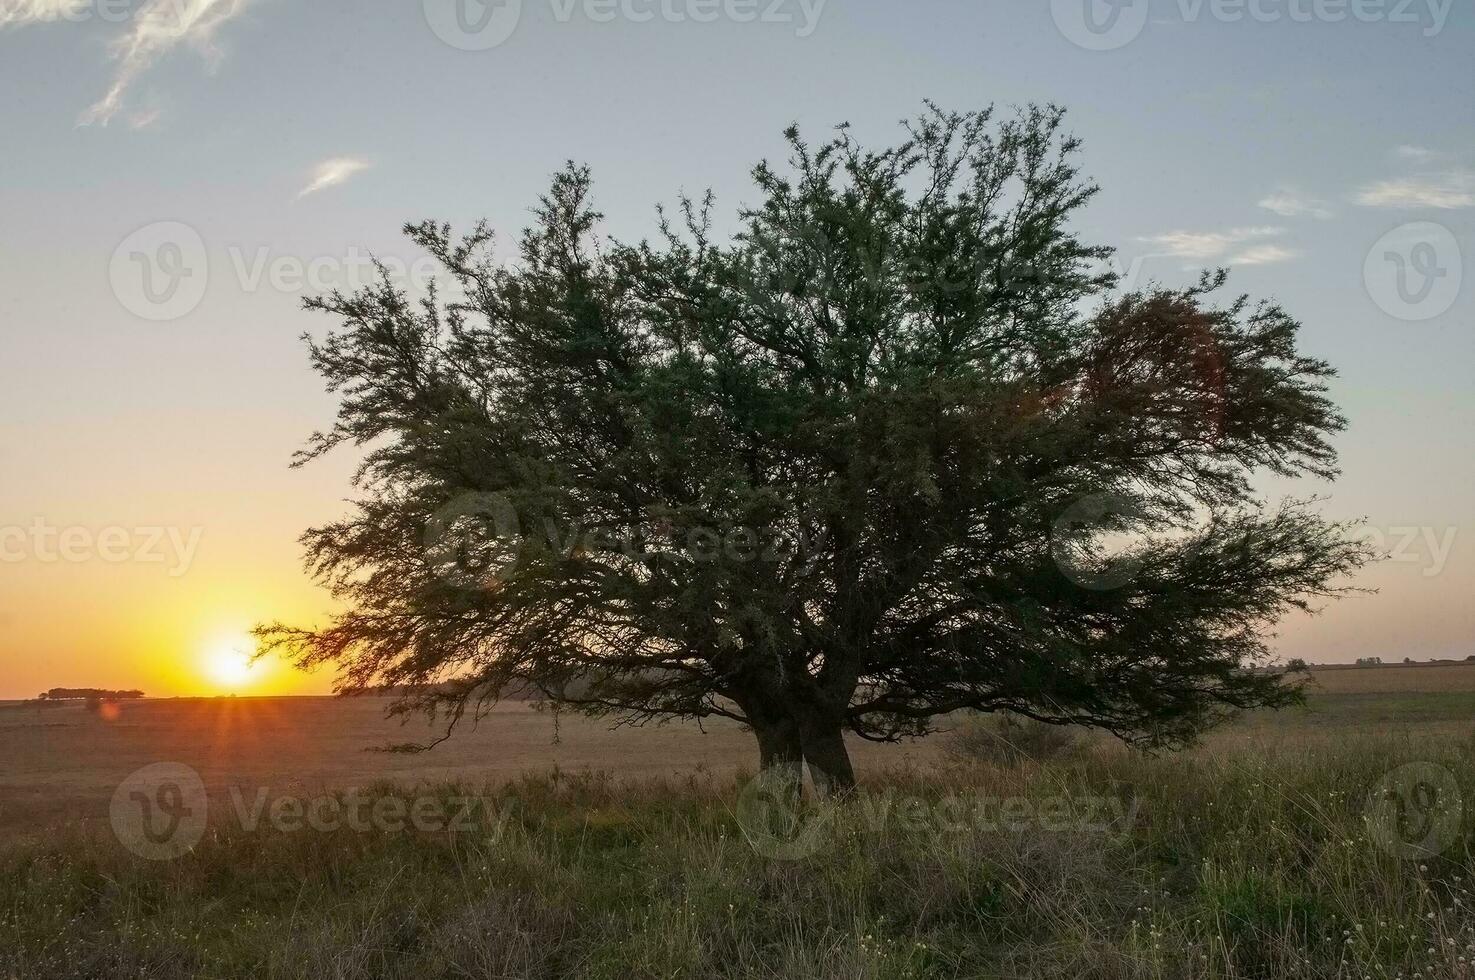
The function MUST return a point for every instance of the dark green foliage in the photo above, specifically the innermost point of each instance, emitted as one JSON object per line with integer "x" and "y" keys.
{"x": 860, "y": 466}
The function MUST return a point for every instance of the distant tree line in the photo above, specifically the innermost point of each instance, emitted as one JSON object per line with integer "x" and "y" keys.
{"x": 1410, "y": 661}
{"x": 88, "y": 694}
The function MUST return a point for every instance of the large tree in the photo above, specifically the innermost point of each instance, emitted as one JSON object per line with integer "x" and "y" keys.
{"x": 896, "y": 447}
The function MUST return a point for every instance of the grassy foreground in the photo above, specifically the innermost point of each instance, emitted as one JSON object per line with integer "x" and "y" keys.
{"x": 1246, "y": 860}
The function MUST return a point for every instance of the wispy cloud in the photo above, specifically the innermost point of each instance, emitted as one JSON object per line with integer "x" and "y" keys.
{"x": 1446, "y": 191}
{"x": 1205, "y": 245}
{"x": 331, "y": 173}
{"x": 143, "y": 119}
{"x": 1290, "y": 203}
{"x": 1264, "y": 255}
{"x": 1418, "y": 153}
{"x": 155, "y": 29}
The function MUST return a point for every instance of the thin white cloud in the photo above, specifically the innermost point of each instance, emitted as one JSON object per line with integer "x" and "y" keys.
{"x": 143, "y": 119}
{"x": 1290, "y": 203}
{"x": 1204, "y": 245}
{"x": 19, "y": 12}
{"x": 1419, "y": 153}
{"x": 331, "y": 173}
{"x": 1447, "y": 191}
{"x": 157, "y": 28}
{"x": 1264, "y": 255}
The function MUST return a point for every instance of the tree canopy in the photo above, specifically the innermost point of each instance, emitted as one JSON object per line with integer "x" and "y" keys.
{"x": 895, "y": 448}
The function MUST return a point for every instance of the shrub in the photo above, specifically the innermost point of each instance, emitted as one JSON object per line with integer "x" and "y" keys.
{"x": 1005, "y": 739}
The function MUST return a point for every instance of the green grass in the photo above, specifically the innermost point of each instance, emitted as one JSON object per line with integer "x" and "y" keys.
{"x": 1240, "y": 861}
{"x": 1422, "y": 711}
{"x": 1419, "y": 708}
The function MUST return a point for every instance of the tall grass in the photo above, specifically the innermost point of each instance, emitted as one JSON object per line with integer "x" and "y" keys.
{"x": 1248, "y": 860}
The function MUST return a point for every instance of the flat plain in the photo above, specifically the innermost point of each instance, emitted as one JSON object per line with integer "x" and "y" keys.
{"x": 61, "y": 765}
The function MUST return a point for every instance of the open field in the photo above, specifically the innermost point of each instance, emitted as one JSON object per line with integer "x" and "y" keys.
{"x": 62, "y": 764}
{"x": 1331, "y": 841}
{"x": 1428, "y": 697}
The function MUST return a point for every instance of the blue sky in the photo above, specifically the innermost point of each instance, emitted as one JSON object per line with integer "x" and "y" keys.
{"x": 1300, "y": 142}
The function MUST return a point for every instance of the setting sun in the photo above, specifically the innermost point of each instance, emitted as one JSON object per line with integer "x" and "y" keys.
{"x": 230, "y": 665}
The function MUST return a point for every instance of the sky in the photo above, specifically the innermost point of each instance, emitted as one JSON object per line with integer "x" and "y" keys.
{"x": 176, "y": 175}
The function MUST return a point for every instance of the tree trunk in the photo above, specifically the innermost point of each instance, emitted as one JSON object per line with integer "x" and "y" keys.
{"x": 829, "y": 760}
{"x": 779, "y": 747}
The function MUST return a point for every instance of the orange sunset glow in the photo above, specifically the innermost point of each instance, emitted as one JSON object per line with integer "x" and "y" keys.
{"x": 233, "y": 667}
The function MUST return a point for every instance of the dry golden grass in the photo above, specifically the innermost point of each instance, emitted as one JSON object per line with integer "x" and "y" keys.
{"x": 1395, "y": 678}
{"x": 62, "y": 764}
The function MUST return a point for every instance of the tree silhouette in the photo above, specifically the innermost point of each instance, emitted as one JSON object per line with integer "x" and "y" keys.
{"x": 895, "y": 449}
